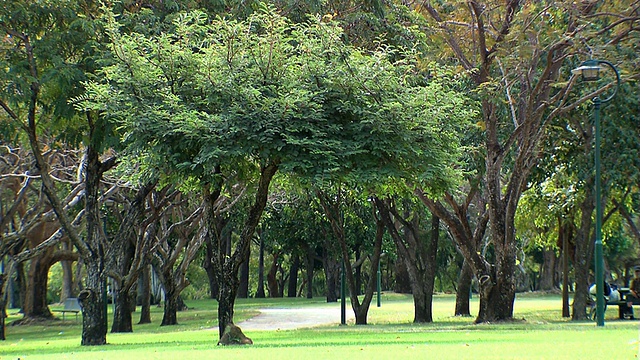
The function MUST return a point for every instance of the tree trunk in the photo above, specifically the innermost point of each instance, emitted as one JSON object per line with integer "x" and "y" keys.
{"x": 260, "y": 292}
{"x": 170, "y": 316}
{"x": 565, "y": 275}
{"x": 583, "y": 257}
{"x": 332, "y": 274}
{"x": 243, "y": 290}
{"x": 309, "y": 265}
{"x": 144, "y": 290}
{"x": 94, "y": 307}
{"x": 293, "y": 277}
{"x": 227, "y": 300}
{"x": 403, "y": 283}
{"x": 229, "y": 265}
{"x": 122, "y": 321}
{"x": 464, "y": 290}
{"x": 210, "y": 269}
{"x": 418, "y": 253}
{"x": 36, "y": 300}
{"x": 3, "y": 307}
{"x": 547, "y": 271}
{"x": 272, "y": 281}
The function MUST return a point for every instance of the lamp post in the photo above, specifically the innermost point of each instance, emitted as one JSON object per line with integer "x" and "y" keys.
{"x": 590, "y": 71}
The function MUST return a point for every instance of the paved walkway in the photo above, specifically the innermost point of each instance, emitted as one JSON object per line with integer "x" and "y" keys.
{"x": 290, "y": 319}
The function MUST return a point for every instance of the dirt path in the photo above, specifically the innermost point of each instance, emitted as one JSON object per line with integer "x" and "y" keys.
{"x": 290, "y": 319}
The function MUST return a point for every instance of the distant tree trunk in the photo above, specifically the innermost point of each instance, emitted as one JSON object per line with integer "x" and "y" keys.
{"x": 402, "y": 284}
{"x": 3, "y": 307}
{"x": 293, "y": 277}
{"x": 564, "y": 236}
{"x": 358, "y": 272}
{"x": 144, "y": 291}
{"x": 260, "y": 291}
{"x": 35, "y": 305}
{"x": 547, "y": 271}
{"x": 332, "y": 275}
{"x": 464, "y": 290}
{"x": 243, "y": 290}
{"x": 309, "y": 265}
{"x": 272, "y": 282}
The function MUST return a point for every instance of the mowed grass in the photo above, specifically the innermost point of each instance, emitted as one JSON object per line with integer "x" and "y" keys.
{"x": 539, "y": 332}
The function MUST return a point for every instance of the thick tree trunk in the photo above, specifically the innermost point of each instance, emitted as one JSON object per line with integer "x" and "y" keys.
{"x": 36, "y": 300}
{"x": 94, "y": 307}
{"x": 144, "y": 291}
{"x": 227, "y": 300}
{"x": 292, "y": 289}
{"x": 464, "y": 290}
{"x": 171, "y": 304}
{"x": 67, "y": 290}
{"x": 243, "y": 289}
{"x": 122, "y": 321}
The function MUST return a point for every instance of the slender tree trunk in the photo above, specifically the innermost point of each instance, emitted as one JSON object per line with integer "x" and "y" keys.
{"x": 260, "y": 292}
{"x": 3, "y": 306}
{"x": 144, "y": 286}
{"x": 229, "y": 266}
{"x": 565, "y": 274}
{"x": 464, "y": 290}
{"x": 309, "y": 265}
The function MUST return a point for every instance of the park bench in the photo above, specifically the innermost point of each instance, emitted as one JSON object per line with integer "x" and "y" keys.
{"x": 623, "y": 311}
{"x": 71, "y": 305}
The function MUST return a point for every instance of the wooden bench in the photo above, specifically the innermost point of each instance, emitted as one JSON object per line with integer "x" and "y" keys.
{"x": 71, "y": 305}
{"x": 623, "y": 310}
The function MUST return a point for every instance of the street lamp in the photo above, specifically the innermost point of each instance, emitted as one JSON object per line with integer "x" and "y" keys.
{"x": 590, "y": 71}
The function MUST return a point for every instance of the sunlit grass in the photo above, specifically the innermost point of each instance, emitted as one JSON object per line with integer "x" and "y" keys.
{"x": 538, "y": 332}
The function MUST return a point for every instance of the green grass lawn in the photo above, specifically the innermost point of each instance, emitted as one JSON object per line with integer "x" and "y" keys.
{"x": 538, "y": 333}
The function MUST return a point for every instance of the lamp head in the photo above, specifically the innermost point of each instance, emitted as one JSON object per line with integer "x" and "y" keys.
{"x": 590, "y": 70}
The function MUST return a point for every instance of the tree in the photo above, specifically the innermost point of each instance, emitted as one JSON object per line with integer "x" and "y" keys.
{"x": 518, "y": 49}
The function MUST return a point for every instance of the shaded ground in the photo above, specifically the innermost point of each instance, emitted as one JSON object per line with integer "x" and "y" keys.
{"x": 290, "y": 319}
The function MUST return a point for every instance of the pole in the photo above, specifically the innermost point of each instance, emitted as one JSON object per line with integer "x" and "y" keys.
{"x": 378, "y": 283}
{"x": 343, "y": 297}
{"x": 599, "y": 262}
